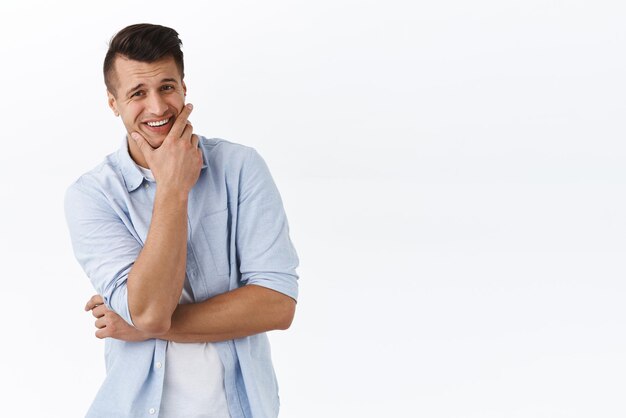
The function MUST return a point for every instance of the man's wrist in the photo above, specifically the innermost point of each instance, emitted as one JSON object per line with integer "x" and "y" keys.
{"x": 171, "y": 194}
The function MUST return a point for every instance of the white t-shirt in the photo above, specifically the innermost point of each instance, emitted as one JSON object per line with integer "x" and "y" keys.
{"x": 193, "y": 386}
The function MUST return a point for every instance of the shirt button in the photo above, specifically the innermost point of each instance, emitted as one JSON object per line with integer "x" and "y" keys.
{"x": 146, "y": 185}
{"x": 158, "y": 365}
{"x": 152, "y": 411}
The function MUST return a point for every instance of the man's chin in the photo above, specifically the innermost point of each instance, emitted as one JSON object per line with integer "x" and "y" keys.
{"x": 155, "y": 141}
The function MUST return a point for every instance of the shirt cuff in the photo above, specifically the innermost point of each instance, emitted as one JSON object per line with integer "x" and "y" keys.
{"x": 284, "y": 283}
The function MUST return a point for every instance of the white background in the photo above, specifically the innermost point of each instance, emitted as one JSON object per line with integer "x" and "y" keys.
{"x": 453, "y": 173}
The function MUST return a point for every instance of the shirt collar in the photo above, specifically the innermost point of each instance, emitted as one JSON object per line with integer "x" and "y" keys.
{"x": 132, "y": 176}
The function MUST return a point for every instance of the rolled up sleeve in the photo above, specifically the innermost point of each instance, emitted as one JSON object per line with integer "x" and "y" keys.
{"x": 102, "y": 244}
{"x": 266, "y": 254}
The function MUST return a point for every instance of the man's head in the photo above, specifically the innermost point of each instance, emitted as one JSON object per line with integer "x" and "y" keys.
{"x": 142, "y": 42}
{"x": 143, "y": 72}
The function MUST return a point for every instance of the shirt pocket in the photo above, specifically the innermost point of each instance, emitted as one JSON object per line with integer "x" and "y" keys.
{"x": 216, "y": 233}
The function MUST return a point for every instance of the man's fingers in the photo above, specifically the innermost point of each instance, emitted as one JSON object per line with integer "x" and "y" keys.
{"x": 187, "y": 132}
{"x": 100, "y": 323}
{"x": 102, "y": 333}
{"x": 94, "y": 301}
{"x": 181, "y": 121}
{"x": 99, "y": 311}
{"x": 195, "y": 140}
{"x": 143, "y": 145}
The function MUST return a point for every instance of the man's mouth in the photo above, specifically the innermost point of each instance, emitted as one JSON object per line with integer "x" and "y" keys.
{"x": 156, "y": 124}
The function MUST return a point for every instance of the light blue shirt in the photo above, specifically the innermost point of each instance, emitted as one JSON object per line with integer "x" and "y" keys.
{"x": 238, "y": 235}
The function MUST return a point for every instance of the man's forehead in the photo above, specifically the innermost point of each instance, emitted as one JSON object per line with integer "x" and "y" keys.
{"x": 129, "y": 71}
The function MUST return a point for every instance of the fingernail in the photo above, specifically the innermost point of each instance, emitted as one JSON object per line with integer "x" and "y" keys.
{"x": 135, "y": 136}
{"x": 189, "y": 106}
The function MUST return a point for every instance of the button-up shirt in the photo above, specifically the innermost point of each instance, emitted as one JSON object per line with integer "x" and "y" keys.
{"x": 237, "y": 235}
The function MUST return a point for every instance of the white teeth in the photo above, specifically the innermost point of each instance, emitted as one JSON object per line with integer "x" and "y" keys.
{"x": 159, "y": 123}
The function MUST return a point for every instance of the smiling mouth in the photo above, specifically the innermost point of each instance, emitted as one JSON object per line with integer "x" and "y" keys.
{"x": 158, "y": 123}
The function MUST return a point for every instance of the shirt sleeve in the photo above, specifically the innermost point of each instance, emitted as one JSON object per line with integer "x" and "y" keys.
{"x": 103, "y": 245}
{"x": 265, "y": 252}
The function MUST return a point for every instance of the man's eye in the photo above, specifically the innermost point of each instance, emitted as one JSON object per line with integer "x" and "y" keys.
{"x": 167, "y": 88}
{"x": 137, "y": 94}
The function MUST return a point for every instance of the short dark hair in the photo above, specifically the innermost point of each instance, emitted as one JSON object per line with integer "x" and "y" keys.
{"x": 146, "y": 43}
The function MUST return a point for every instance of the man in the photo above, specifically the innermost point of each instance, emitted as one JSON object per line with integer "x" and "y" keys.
{"x": 186, "y": 242}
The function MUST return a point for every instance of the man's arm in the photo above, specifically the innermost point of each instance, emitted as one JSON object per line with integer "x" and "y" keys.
{"x": 266, "y": 261}
{"x": 156, "y": 279}
{"x": 239, "y": 313}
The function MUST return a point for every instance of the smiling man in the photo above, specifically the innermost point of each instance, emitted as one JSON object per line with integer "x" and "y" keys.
{"x": 186, "y": 242}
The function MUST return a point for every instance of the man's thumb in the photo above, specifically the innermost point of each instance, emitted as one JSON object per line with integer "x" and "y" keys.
{"x": 141, "y": 142}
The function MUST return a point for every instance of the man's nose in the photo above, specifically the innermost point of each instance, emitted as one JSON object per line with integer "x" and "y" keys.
{"x": 156, "y": 105}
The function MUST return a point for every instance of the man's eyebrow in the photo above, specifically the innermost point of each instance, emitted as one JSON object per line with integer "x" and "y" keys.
{"x": 138, "y": 86}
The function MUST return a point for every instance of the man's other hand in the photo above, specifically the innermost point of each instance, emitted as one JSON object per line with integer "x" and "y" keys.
{"x": 110, "y": 324}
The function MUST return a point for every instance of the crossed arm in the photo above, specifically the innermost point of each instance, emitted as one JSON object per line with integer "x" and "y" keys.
{"x": 239, "y": 313}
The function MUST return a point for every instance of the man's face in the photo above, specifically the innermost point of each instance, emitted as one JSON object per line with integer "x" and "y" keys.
{"x": 148, "y": 97}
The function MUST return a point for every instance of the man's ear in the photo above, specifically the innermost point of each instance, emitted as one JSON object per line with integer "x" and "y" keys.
{"x": 184, "y": 87}
{"x": 113, "y": 103}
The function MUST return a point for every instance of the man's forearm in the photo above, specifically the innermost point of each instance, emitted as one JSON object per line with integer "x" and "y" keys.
{"x": 239, "y": 313}
{"x": 156, "y": 279}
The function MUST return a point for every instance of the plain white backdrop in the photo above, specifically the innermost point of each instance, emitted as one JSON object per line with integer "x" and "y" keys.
{"x": 453, "y": 173}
